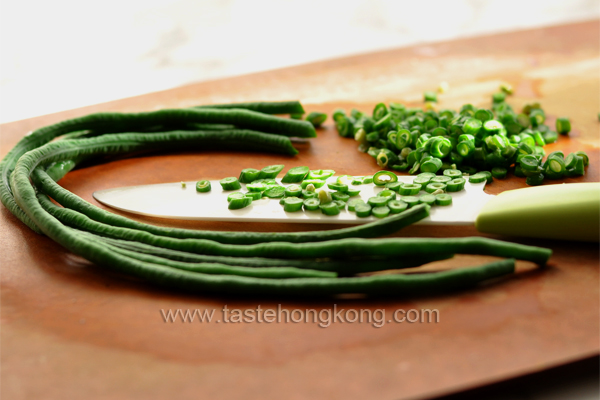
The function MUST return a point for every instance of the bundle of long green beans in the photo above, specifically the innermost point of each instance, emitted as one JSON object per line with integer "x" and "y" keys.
{"x": 306, "y": 263}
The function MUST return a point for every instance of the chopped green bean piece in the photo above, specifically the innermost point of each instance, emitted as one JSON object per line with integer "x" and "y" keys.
{"x": 270, "y": 171}
{"x": 563, "y": 126}
{"x": 430, "y": 96}
{"x": 499, "y": 172}
{"x": 383, "y": 177}
{"x": 311, "y": 204}
{"x": 353, "y": 203}
{"x": 499, "y": 97}
{"x": 307, "y": 194}
{"x": 362, "y": 210}
{"x": 203, "y": 186}
{"x": 478, "y": 178}
{"x": 443, "y": 199}
{"x": 433, "y": 164}
{"x": 295, "y": 175}
{"x": 316, "y": 118}
{"x": 483, "y": 115}
{"x": 583, "y": 154}
{"x": 234, "y": 195}
{"x": 338, "y": 186}
{"x": 253, "y": 195}
{"x": 274, "y": 192}
{"x": 388, "y": 194}
{"x": 432, "y": 187}
{"x": 292, "y": 204}
{"x": 293, "y": 191}
{"x": 441, "y": 179}
{"x": 409, "y": 189}
{"x": 535, "y": 180}
{"x": 422, "y": 181}
{"x": 317, "y": 183}
{"x": 377, "y": 201}
{"x": 256, "y": 187}
{"x": 488, "y": 176}
{"x": 397, "y": 206}
{"x": 380, "y": 212}
{"x": 340, "y": 204}
{"x": 340, "y": 196}
{"x": 249, "y": 175}
{"x": 452, "y": 173}
{"x": 395, "y": 186}
{"x": 456, "y": 185}
{"x": 230, "y": 183}
{"x": 529, "y": 163}
{"x": 411, "y": 201}
{"x": 321, "y": 174}
{"x": 239, "y": 202}
{"x": 428, "y": 199}
{"x": 330, "y": 208}
{"x": 506, "y": 88}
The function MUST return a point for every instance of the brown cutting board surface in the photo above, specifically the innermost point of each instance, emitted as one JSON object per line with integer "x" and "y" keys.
{"x": 71, "y": 329}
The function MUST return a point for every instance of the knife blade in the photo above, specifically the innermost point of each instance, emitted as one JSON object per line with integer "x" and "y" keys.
{"x": 567, "y": 211}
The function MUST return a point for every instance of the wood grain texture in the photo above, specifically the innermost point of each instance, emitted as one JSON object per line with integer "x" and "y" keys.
{"x": 71, "y": 329}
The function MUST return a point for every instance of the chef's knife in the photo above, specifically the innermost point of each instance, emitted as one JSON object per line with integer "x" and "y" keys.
{"x": 561, "y": 211}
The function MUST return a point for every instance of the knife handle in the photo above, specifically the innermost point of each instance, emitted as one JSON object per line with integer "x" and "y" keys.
{"x": 562, "y": 211}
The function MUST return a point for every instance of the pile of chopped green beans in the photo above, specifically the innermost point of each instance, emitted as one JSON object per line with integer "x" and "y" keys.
{"x": 469, "y": 140}
{"x": 282, "y": 263}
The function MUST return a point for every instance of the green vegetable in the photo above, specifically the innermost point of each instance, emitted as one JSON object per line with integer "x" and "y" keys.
{"x": 235, "y": 195}
{"x": 203, "y": 186}
{"x": 563, "y": 126}
{"x": 456, "y": 185}
{"x": 295, "y": 175}
{"x": 317, "y": 183}
{"x": 293, "y": 191}
{"x": 274, "y": 192}
{"x": 321, "y": 174}
{"x": 430, "y": 96}
{"x": 353, "y": 203}
{"x": 409, "y": 189}
{"x": 428, "y": 199}
{"x": 256, "y": 187}
{"x": 383, "y": 177}
{"x": 316, "y": 118}
{"x": 270, "y": 172}
{"x": 380, "y": 212}
{"x": 396, "y": 206}
{"x": 499, "y": 172}
{"x": 377, "y": 201}
{"x": 330, "y": 208}
{"x": 338, "y": 186}
{"x": 311, "y": 204}
{"x": 230, "y": 183}
{"x": 292, "y": 204}
{"x": 193, "y": 260}
{"x": 239, "y": 202}
{"x": 432, "y": 187}
{"x": 477, "y": 178}
{"x": 248, "y": 175}
{"x": 412, "y": 201}
{"x": 253, "y": 195}
{"x": 362, "y": 210}
{"x": 443, "y": 199}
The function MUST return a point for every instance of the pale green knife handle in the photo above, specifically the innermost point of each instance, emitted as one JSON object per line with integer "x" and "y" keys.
{"x": 562, "y": 211}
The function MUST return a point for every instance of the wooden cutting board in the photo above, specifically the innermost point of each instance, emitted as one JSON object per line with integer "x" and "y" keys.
{"x": 71, "y": 329}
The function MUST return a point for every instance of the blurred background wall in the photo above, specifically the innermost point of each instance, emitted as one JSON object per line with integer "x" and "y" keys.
{"x": 62, "y": 54}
